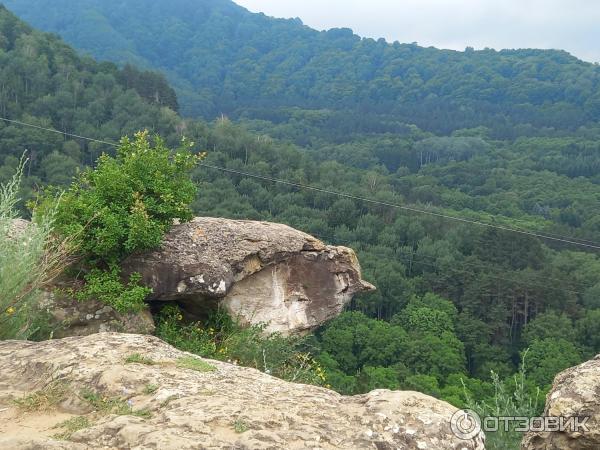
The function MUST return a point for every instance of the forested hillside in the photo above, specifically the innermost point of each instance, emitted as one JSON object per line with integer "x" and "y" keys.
{"x": 224, "y": 59}
{"x": 46, "y": 83}
{"x": 454, "y": 300}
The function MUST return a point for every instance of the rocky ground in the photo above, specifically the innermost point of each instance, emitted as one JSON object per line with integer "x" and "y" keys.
{"x": 122, "y": 391}
{"x": 575, "y": 393}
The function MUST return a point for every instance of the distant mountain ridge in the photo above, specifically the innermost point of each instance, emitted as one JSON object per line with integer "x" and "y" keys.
{"x": 46, "y": 83}
{"x": 222, "y": 58}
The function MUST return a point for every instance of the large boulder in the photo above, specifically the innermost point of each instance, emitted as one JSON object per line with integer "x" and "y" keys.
{"x": 121, "y": 391}
{"x": 260, "y": 272}
{"x": 574, "y": 394}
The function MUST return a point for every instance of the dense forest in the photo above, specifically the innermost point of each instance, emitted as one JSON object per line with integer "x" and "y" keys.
{"x": 455, "y": 300}
{"x": 224, "y": 59}
{"x": 46, "y": 83}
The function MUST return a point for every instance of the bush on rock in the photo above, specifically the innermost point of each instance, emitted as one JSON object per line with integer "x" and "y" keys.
{"x": 125, "y": 204}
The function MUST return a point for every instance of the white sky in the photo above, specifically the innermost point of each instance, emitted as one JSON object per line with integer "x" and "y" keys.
{"x": 572, "y": 25}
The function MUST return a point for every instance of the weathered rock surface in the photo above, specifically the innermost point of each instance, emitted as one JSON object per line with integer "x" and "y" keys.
{"x": 227, "y": 407}
{"x": 69, "y": 317}
{"x": 575, "y": 393}
{"x": 17, "y": 227}
{"x": 260, "y": 272}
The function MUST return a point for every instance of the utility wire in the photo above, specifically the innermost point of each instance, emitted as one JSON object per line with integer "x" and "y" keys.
{"x": 562, "y": 239}
{"x": 405, "y": 208}
{"x": 16, "y": 122}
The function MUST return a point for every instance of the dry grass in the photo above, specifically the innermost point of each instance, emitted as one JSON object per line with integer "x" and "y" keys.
{"x": 45, "y": 399}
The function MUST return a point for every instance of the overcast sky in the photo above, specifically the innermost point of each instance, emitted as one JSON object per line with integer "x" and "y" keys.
{"x": 572, "y": 25}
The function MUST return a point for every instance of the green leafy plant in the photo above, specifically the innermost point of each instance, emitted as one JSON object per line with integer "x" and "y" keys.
{"x": 124, "y": 205}
{"x": 108, "y": 287}
{"x": 220, "y": 337}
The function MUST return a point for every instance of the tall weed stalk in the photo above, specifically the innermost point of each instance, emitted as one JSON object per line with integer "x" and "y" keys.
{"x": 30, "y": 259}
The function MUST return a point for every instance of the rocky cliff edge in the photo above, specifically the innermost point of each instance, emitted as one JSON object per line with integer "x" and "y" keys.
{"x": 122, "y": 391}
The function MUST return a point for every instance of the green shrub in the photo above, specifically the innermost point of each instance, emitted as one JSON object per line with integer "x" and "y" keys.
{"x": 220, "y": 337}
{"x": 125, "y": 204}
{"x": 108, "y": 287}
{"x": 29, "y": 260}
{"x": 128, "y": 202}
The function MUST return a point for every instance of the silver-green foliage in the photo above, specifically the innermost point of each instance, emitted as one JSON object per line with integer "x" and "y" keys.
{"x": 513, "y": 398}
{"x": 24, "y": 264}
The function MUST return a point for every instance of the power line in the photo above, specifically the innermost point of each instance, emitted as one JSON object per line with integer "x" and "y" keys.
{"x": 405, "y": 208}
{"x": 562, "y": 239}
{"x": 16, "y": 122}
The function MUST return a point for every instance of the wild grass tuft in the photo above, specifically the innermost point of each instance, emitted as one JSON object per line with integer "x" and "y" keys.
{"x": 150, "y": 388}
{"x": 136, "y": 358}
{"x": 45, "y": 399}
{"x": 240, "y": 426}
{"x": 31, "y": 257}
{"x": 189, "y": 362}
{"x": 112, "y": 405}
{"x": 512, "y": 398}
{"x": 71, "y": 426}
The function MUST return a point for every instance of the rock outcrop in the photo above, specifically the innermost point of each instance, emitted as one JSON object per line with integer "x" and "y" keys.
{"x": 260, "y": 272}
{"x": 69, "y": 317}
{"x": 120, "y": 391}
{"x": 574, "y": 394}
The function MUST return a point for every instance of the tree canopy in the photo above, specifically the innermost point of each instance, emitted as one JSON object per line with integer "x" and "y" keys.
{"x": 223, "y": 59}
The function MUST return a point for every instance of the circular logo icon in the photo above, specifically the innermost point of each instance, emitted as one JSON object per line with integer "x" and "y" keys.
{"x": 465, "y": 424}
